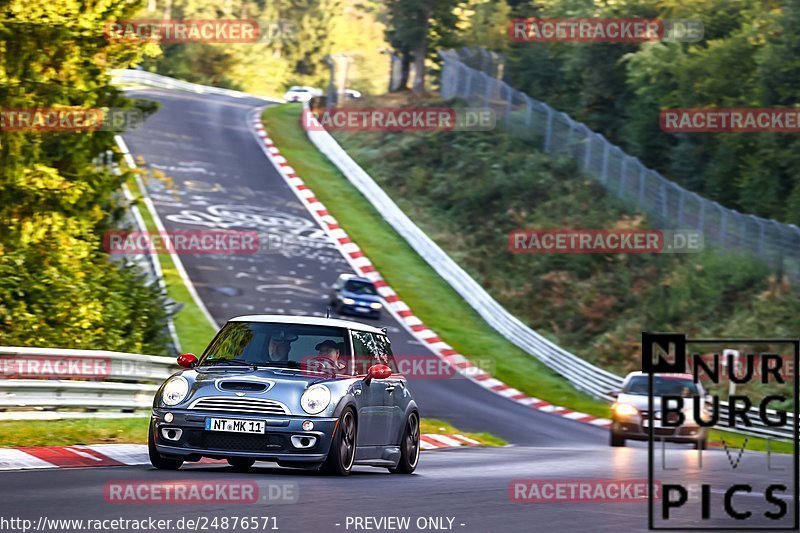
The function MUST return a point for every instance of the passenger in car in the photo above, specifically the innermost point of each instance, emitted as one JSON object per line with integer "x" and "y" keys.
{"x": 279, "y": 345}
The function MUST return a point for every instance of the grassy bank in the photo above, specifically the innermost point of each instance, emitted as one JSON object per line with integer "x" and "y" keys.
{"x": 431, "y": 298}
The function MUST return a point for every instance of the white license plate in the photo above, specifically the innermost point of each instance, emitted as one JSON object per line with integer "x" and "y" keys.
{"x": 658, "y": 425}
{"x": 234, "y": 425}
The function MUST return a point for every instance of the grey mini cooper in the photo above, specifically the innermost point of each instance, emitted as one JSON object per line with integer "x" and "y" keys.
{"x": 300, "y": 391}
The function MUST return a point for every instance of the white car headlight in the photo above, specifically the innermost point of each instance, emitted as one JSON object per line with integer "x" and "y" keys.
{"x": 625, "y": 409}
{"x": 175, "y": 391}
{"x": 315, "y": 399}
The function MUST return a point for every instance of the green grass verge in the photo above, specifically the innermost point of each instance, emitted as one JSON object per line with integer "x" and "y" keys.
{"x": 431, "y": 298}
{"x": 134, "y": 430}
{"x": 73, "y": 431}
{"x": 432, "y": 425}
{"x": 193, "y": 330}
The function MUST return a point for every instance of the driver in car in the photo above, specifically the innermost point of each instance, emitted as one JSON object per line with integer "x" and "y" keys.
{"x": 330, "y": 350}
{"x": 279, "y": 345}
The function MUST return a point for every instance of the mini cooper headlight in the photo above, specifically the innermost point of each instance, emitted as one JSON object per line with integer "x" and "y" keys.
{"x": 175, "y": 391}
{"x": 315, "y": 399}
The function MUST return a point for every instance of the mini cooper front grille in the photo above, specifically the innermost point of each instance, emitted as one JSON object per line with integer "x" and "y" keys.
{"x": 240, "y": 405}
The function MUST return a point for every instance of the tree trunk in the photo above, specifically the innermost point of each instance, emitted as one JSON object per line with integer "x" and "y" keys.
{"x": 405, "y": 72}
{"x": 421, "y": 52}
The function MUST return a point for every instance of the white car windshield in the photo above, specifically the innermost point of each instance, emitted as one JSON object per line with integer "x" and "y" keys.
{"x": 663, "y": 386}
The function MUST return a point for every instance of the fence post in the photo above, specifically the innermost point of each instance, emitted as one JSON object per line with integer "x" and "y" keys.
{"x": 604, "y": 173}
{"x": 469, "y": 81}
{"x": 548, "y": 136}
{"x": 642, "y": 181}
{"x": 487, "y": 94}
{"x": 723, "y": 225}
{"x": 681, "y": 201}
{"x": 528, "y": 111}
{"x": 570, "y": 134}
{"x": 701, "y": 217}
{"x": 623, "y": 177}
{"x": 664, "y": 210}
{"x": 587, "y": 154}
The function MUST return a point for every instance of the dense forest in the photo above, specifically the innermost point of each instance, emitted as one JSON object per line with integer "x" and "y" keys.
{"x": 749, "y": 58}
{"x": 57, "y": 287}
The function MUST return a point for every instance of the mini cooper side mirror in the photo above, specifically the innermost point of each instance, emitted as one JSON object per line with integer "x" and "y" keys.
{"x": 187, "y": 360}
{"x": 377, "y": 372}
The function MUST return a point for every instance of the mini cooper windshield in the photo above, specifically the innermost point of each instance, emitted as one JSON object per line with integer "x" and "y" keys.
{"x": 321, "y": 348}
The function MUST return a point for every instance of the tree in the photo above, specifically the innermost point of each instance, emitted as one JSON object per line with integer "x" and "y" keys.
{"x": 414, "y": 28}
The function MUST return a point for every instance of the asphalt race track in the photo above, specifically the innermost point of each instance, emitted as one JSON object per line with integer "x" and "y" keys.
{"x": 222, "y": 180}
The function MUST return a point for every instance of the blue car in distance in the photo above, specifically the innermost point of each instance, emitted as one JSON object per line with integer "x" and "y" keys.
{"x": 354, "y": 295}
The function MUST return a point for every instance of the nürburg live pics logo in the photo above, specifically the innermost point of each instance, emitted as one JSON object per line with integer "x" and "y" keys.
{"x": 742, "y": 389}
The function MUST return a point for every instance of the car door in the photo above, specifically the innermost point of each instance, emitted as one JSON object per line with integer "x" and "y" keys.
{"x": 397, "y": 395}
{"x": 371, "y": 398}
{"x": 391, "y": 392}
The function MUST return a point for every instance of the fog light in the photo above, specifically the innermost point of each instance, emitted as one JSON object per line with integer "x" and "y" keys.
{"x": 168, "y": 417}
{"x": 308, "y": 425}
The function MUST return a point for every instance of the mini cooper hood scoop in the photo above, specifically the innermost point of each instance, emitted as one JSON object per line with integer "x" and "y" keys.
{"x": 253, "y": 381}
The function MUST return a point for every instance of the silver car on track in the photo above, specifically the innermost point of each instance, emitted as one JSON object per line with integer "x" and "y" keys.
{"x": 300, "y": 391}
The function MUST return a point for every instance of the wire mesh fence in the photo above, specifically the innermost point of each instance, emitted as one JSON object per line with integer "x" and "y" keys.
{"x": 476, "y": 77}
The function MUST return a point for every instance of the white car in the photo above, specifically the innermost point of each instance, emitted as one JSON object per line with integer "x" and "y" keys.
{"x": 301, "y": 93}
{"x": 631, "y": 417}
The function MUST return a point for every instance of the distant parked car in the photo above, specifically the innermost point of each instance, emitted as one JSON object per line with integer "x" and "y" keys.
{"x": 301, "y": 93}
{"x": 355, "y": 295}
{"x": 631, "y": 417}
{"x": 300, "y": 391}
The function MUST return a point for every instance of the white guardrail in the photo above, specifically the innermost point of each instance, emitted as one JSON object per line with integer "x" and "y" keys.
{"x": 43, "y": 382}
{"x": 142, "y": 77}
{"x": 582, "y": 374}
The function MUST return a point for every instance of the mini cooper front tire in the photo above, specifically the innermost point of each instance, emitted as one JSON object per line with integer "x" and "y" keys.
{"x": 156, "y": 459}
{"x": 343, "y": 446}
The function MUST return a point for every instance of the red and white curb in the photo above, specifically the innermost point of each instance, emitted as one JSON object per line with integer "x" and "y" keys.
{"x": 95, "y": 455}
{"x": 364, "y": 267}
